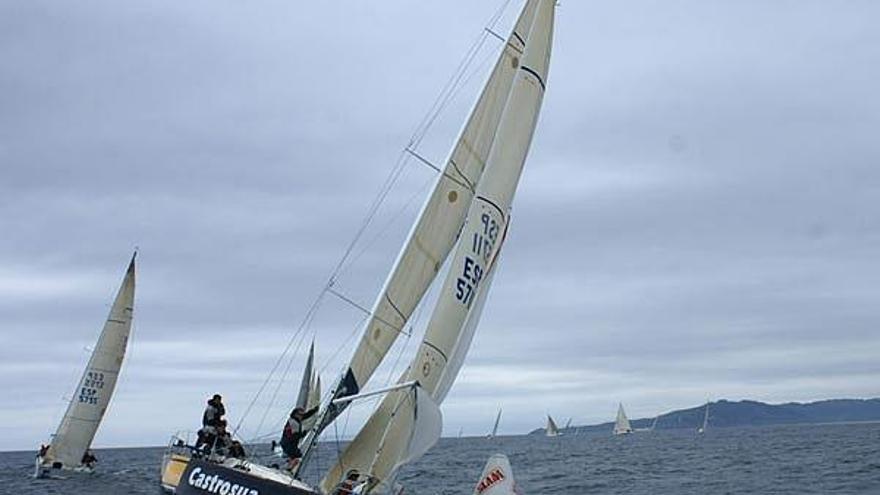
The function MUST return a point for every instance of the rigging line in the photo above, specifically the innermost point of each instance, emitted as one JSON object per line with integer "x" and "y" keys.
{"x": 366, "y": 311}
{"x": 283, "y": 378}
{"x": 423, "y": 160}
{"x": 383, "y": 230}
{"x": 448, "y": 96}
{"x": 339, "y": 349}
{"x": 371, "y": 214}
{"x": 450, "y": 87}
{"x": 312, "y": 309}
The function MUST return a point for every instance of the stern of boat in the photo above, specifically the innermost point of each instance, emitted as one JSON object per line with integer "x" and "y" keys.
{"x": 174, "y": 462}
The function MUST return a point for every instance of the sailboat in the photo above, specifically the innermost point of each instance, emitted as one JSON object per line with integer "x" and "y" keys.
{"x": 552, "y": 430}
{"x": 621, "y": 425}
{"x": 89, "y": 403}
{"x": 494, "y": 431}
{"x": 462, "y": 225}
{"x": 702, "y": 429}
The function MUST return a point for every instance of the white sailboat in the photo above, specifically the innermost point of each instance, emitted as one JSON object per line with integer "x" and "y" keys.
{"x": 89, "y": 403}
{"x": 621, "y": 425}
{"x": 702, "y": 429}
{"x": 465, "y": 222}
{"x": 494, "y": 431}
{"x": 551, "y": 430}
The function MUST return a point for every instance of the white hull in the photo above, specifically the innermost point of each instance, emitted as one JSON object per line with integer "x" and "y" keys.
{"x": 44, "y": 469}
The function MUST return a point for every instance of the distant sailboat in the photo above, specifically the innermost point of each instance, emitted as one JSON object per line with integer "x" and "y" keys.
{"x": 654, "y": 423}
{"x": 622, "y": 426}
{"x": 702, "y": 429}
{"x": 567, "y": 424}
{"x": 552, "y": 429}
{"x": 494, "y": 432}
{"x": 95, "y": 389}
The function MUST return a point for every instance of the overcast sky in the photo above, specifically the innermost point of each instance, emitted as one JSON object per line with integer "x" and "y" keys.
{"x": 698, "y": 217}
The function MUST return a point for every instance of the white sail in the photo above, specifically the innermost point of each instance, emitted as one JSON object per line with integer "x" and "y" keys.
{"x": 438, "y": 225}
{"x": 552, "y": 430}
{"x": 378, "y": 446}
{"x": 621, "y": 425}
{"x": 497, "y": 478}
{"x": 705, "y": 419}
{"x": 495, "y": 428}
{"x": 315, "y": 393}
{"x": 305, "y": 385}
{"x": 95, "y": 389}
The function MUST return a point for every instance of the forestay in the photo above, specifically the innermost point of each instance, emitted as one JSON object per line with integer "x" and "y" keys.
{"x": 95, "y": 388}
{"x": 379, "y": 446}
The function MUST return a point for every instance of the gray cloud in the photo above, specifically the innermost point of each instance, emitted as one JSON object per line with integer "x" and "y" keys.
{"x": 697, "y": 218}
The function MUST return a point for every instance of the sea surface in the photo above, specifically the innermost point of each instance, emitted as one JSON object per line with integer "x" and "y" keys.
{"x": 808, "y": 459}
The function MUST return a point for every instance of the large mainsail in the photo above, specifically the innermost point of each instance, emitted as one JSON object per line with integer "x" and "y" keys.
{"x": 95, "y": 388}
{"x": 438, "y": 225}
{"x": 621, "y": 425}
{"x": 382, "y": 443}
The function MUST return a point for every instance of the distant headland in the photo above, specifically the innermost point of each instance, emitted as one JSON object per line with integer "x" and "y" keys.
{"x": 725, "y": 413}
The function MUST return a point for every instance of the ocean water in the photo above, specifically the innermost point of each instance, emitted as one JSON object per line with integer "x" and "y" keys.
{"x": 810, "y": 459}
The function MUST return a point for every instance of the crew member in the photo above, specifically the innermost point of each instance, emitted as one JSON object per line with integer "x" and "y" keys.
{"x": 346, "y": 486}
{"x": 293, "y": 433}
{"x": 236, "y": 450}
{"x": 88, "y": 459}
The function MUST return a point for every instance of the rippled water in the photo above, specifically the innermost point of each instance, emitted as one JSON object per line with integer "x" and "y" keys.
{"x": 815, "y": 459}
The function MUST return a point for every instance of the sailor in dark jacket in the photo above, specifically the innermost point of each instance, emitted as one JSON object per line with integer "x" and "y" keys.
{"x": 293, "y": 434}
{"x": 211, "y": 420}
{"x": 214, "y": 411}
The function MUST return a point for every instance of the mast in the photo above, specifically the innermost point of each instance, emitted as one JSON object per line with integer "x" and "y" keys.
{"x": 95, "y": 389}
{"x": 379, "y": 447}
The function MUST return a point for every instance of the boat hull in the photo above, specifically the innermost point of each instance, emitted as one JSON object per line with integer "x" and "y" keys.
{"x": 47, "y": 469}
{"x": 201, "y": 477}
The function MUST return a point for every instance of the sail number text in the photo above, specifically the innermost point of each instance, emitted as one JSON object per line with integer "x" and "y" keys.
{"x": 482, "y": 245}
{"x": 92, "y": 383}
